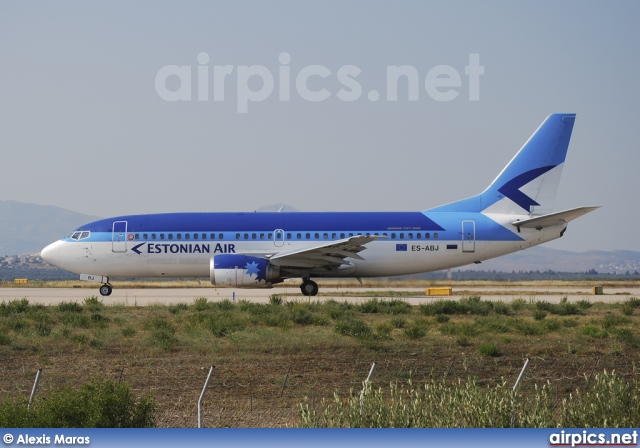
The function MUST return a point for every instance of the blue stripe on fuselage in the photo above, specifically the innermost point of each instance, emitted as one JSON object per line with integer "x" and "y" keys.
{"x": 265, "y": 222}
{"x": 447, "y": 224}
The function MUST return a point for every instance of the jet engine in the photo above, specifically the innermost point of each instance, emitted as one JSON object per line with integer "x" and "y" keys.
{"x": 242, "y": 271}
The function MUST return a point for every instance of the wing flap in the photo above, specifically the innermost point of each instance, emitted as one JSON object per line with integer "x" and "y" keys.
{"x": 553, "y": 219}
{"x": 328, "y": 255}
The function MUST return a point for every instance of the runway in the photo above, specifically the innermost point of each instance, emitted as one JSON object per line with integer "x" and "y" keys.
{"x": 171, "y": 296}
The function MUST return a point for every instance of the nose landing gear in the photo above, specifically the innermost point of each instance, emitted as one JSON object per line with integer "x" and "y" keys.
{"x": 106, "y": 289}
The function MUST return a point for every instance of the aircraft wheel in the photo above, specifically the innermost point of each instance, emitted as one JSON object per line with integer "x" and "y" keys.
{"x": 309, "y": 288}
{"x": 105, "y": 290}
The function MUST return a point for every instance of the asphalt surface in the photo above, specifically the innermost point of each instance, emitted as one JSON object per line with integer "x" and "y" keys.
{"x": 169, "y": 296}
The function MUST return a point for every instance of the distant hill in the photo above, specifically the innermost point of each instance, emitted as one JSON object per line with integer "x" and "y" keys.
{"x": 541, "y": 258}
{"x": 27, "y": 228}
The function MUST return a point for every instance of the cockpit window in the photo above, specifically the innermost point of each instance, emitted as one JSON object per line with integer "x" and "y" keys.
{"x": 79, "y": 235}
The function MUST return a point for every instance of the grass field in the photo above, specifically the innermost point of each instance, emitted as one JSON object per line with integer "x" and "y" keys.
{"x": 270, "y": 358}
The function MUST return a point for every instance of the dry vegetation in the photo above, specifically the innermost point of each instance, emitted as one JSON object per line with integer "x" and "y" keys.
{"x": 269, "y": 358}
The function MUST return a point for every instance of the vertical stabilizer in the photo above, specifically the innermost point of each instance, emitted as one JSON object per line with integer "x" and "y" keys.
{"x": 528, "y": 184}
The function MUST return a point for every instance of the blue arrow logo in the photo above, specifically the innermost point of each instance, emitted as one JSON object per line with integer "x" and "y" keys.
{"x": 512, "y": 188}
{"x": 135, "y": 248}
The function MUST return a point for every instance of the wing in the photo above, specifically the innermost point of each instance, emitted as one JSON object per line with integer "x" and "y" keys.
{"x": 329, "y": 255}
{"x": 553, "y": 219}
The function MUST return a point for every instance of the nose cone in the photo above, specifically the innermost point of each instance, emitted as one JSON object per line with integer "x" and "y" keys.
{"x": 51, "y": 253}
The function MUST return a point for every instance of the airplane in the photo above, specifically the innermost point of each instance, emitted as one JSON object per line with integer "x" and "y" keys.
{"x": 259, "y": 250}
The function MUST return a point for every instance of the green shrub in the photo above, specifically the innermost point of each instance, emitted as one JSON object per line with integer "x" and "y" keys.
{"x": 354, "y": 328}
{"x": 225, "y": 324}
{"x": 178, "y": 308}
{"x": 442, "y": 318}
{"x": 502, "y": 308}
{"x": 594, "y": 332}
{"x": 275, "y": 300}
{"x": 93, "y": 303}
{"x": 584, "y": 304}
{"x": 488, "y": 349}
{"x": 127, "y": 332}
{"x": 611, "y": 321}
{"x": 632, "y": 302}
{"x": 69, "y": 307}
{"x": 201, "y": 304}
{"x": 399, "y": 322}
{"x": 383, "y": 330}
{"x": 76, "y": 320}
{"x": 416, "y": 330}
{"x": 98, "y": 404}
{"x": 17, "y": 306}
{"x": 518, "y": 304}
{"x": 539, "y": 314}
{"x": 163, "y": 338}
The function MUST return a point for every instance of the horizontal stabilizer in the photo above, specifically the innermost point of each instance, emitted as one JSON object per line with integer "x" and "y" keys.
{"x": 553, "y": 219}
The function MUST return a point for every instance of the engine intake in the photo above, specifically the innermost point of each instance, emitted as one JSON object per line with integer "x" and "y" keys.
{"x": 242, "y": 271}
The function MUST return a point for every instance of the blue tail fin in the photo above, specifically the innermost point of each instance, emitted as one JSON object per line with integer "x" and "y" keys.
{"x": 528, "y": 184}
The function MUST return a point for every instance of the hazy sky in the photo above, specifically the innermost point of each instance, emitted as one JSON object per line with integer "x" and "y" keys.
{"x": 84, "y": 125}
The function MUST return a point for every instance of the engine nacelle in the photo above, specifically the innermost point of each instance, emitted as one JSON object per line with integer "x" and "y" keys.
{"x": 242, "y": 271}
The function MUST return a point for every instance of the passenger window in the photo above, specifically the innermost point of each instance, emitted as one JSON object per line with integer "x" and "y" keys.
{"x": 145, "y": 236}
{"x": 288, "y": 236}
{"x": 384, "y": 234}
{"x": 351, "y": 234}
{"x": 419, "y": 235}
{"x": 299, "y": 235}
{"x": 171, "y": 236}
{"x": 179, "y": 236}
{"x": 402, "y": 236}
{"x": 237, "y": 236}
{"x": 435, "y": 235}
{"x": 342, "y": 235}
{"x": 308, "y": 236}
{"x": 254, "y": 236}
{"x": 427, "y": 235}
{"x": 153, "y": 236}
{"x": 410, "y": 235}
{"x": 393, "y": 235}
{"x": 262, "y": 236}
{"x": 137, "y": 236}
{"x": 317, "y": 235}
{"x": 212, "y": 236}
{"x": 333, "y": 236}
{"x": 269, "y": 236}
{"x": 162, "y": 236}
{"x": 221, "y": 236}
{"x": 187, "y": 236}
{"x": 246, "y": 236}
{"x": 195, "y": 236}
{"x": 326, "y": 236}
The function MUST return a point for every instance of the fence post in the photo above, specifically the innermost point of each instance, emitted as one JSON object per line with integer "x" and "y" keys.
{"x": 206, "y": 384}
{"x": 513, "y": 392}
{"x": 33, "y": 391}
{"x": 285, "y": 381}
{"x": 364, "y": 388}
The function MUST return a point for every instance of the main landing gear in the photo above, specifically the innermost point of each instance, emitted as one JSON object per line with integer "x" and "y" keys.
{"x": 106, "y": 289}
{"x": 309, "y": 287}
